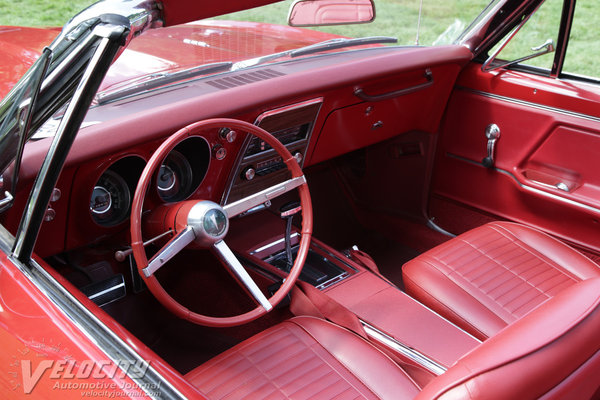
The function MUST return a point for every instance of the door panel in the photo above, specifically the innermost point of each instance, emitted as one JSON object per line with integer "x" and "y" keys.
{"x": 547, "y": 170}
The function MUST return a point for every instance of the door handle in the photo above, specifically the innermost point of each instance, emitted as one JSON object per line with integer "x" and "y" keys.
{"x": 492, "y": 133}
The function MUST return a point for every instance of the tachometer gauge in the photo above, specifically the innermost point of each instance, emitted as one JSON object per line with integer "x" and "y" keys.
{"x": 110, "y": 199}
{"x": 174, "y": 178}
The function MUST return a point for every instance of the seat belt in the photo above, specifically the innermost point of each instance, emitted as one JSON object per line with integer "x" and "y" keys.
{"x": 308, "y": 300}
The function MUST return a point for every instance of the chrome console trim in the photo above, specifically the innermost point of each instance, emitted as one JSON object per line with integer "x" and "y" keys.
{"x": 274, "y": 243}
{"x": 403, "y": 349}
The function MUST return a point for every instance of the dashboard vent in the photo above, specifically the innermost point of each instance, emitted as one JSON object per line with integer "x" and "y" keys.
{"x": 245, "y": 78}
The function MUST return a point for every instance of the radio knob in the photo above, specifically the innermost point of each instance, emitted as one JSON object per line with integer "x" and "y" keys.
{"x": 249, "y": 173}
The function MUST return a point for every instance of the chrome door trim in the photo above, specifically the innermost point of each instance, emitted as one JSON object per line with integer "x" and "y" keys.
{"x": 96, "y": 331}
{"x": 532, "y": 189}
{"x": 526, "y": 103}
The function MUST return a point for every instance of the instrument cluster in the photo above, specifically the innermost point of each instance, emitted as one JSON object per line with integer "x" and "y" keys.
{"x": 179, "y": 175}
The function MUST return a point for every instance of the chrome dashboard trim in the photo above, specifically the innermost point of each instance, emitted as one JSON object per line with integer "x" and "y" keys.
{"x": 287, "y": 108}
{"x": 240, "y": 157}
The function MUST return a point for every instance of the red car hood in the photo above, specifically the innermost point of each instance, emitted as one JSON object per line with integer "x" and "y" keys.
{"x": 161, "y": 50}
{"x": 19, "y": 48}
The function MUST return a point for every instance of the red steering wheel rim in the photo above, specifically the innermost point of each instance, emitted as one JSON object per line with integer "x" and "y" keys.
{"x": 136, "y": 222}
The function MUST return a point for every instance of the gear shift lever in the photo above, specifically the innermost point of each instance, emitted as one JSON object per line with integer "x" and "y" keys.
{"x": 287, "y": 212}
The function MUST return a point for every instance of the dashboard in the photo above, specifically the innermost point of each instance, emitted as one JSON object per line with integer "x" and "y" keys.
{"x": 314, "y": 112}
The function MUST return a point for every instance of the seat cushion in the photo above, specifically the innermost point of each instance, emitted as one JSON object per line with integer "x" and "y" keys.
{"x": 493, "y": 275}
{"x": 303, "y": 358}
{"x": 551, "y": 353}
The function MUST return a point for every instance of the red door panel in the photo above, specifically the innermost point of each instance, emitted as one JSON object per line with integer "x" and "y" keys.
{"x": 547, "y": 170}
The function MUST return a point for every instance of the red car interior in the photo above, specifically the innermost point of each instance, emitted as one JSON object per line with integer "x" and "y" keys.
{"x": 391, "y": 143}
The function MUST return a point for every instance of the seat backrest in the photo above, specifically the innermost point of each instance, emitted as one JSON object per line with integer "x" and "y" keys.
{"x": 551, "y": 353}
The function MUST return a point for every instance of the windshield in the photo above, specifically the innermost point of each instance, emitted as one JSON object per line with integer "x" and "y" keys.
{"x": 262, "y": 35}
{"x": 412, "y": 22}
{"x": 230, "y": 42}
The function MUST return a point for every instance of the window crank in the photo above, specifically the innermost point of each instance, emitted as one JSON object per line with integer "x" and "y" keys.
{"x": 492, "y": 133}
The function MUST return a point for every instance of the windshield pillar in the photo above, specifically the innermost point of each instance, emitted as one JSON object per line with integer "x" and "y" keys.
{"x": 108, "y": 40}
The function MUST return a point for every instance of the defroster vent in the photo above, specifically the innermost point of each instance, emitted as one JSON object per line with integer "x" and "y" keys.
{"x": 245, "y": 78}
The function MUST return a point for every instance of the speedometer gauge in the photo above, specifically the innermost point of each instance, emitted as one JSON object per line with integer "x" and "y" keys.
{"x": 110, "y": 199}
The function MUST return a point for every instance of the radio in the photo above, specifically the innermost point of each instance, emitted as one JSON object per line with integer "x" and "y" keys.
{"x": 258, "y": 165}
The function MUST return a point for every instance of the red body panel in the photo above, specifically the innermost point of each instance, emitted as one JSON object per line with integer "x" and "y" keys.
{"x": 35, "y": 336}
{"x": 178, "y": 12}
{"x": 19, "y": 48}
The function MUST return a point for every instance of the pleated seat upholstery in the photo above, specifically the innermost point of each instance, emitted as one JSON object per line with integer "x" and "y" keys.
{"x": 303, "y": 358}
{"x": 493, "y": 275}
{"x": 551, "y": 353}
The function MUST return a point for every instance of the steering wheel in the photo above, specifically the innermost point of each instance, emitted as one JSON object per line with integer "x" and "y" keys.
{"x": 205, "y": 224}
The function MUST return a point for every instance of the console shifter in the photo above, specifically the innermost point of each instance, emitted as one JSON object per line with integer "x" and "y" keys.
{"x": 287, "y": 212}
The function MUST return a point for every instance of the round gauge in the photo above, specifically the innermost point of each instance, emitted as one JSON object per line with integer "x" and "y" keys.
{"x": 110, "y": 199}
{"x": 101, "y": 200}
{"x": 174, "y": 179}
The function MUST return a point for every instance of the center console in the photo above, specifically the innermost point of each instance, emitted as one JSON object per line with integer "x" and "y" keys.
{"x": 412, "y": 333}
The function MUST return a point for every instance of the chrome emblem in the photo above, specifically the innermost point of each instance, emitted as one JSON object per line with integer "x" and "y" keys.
{"x": 215, "y": 222}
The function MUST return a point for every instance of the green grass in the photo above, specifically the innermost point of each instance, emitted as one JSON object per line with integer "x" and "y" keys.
{"x": 396, "y": 18}
{"x": 39, "y": 12}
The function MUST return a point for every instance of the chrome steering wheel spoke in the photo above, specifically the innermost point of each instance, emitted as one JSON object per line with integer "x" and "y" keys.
{"x": 263, "y": 196}
{"x": 169, "y": 250}
{"x": 231, "y": 261}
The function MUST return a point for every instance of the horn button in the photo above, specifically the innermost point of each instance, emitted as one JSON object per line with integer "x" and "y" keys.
{"x": 209, "y": 222}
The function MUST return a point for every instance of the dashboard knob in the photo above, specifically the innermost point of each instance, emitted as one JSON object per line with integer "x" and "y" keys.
{"x": 50, "y": 214}
{"x": 227, "y": 135}
{"x": 219, "y": 152}
{"x": 299, "y": 157}
{"x": 249, "y": 173}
